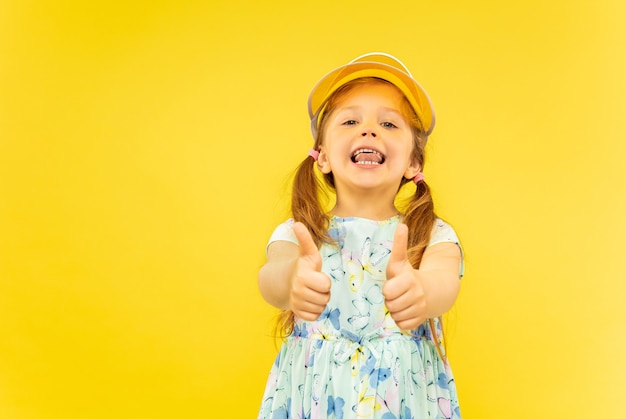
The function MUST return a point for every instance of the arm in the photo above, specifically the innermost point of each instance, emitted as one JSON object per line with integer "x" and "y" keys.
{"x": 275, "y": 275}
{"x": 439, "y": 273}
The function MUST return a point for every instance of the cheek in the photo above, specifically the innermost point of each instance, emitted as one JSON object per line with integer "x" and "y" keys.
{"x": 408, "y": 152}
{"x": 413, "y": 159}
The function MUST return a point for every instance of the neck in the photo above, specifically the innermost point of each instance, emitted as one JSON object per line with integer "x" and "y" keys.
{"x": 372, "y": 208}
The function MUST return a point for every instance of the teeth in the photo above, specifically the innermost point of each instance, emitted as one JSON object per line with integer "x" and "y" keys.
{"x": 366, "y": 150}
{"x": 379, "y": 159}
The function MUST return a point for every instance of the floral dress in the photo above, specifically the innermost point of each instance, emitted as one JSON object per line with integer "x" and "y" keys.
{"x": 354, "y": 361}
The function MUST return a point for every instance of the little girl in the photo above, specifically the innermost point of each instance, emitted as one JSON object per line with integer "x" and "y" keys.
{"x": 363, "y": 285}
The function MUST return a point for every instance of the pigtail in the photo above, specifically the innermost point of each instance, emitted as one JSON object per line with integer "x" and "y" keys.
{"x": 420, "y": 218}
{"x": 284, "y": 324}
{"x": 306, "y": 205}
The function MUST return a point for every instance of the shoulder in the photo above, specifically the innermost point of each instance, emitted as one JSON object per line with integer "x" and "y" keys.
{"x": 284, "y": 232}
{"x": 442, "y": 232}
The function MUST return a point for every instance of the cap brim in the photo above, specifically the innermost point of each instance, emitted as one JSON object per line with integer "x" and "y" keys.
{"x": 414, "y": 93}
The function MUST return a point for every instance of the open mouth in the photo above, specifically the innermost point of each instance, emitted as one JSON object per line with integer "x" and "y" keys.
{"x": 367, "y": 156}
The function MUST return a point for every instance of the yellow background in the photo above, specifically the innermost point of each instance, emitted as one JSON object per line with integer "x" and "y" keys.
{"x": 145, "y": 155}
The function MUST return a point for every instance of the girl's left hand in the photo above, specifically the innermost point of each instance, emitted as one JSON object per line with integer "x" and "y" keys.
{"x": 403, "y": 290}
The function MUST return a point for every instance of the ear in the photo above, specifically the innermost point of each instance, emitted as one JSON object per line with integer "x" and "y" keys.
{"x": 413, "y": 169}
{"x": 322, "y": 162}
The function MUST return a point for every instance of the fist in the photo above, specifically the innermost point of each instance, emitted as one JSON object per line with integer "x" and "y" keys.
{"x": 403, "y": 290}
{"x": 310, "y": 287}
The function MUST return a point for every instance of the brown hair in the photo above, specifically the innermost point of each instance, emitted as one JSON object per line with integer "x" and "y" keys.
{"x": 307, "y": 206}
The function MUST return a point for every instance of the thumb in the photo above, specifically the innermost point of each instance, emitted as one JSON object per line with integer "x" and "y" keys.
{"x": 398, "y": 249}
{"x": 308, "y": 248}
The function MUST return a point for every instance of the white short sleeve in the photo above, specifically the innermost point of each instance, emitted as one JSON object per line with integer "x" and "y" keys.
{"x": 444, "y": 233}
{"x": 284, "y": 232}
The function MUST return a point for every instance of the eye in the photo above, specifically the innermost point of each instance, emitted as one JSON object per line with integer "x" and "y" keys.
{"x": 349, "y": 122}
{"x": 388, "y": 125}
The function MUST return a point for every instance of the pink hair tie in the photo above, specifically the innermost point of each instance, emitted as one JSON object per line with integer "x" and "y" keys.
{"x": 418, "y": 178}
{"x": 314, "y": 153}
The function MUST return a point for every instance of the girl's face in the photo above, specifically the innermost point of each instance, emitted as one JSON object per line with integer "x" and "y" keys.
{"x": 367, "y": 142}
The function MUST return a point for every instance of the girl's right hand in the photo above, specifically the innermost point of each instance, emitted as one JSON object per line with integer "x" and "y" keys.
{"x": 310, "y": 287}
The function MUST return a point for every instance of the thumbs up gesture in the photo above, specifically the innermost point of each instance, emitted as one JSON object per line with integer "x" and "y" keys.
{"x": 403, "y": 290}
{"x": 310, "y": 288}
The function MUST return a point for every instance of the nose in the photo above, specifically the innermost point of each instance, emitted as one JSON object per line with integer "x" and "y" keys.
{"x": 369, "y": 132}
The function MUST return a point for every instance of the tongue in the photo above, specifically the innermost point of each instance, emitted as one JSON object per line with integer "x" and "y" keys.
{"x": 373, "y": 157}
